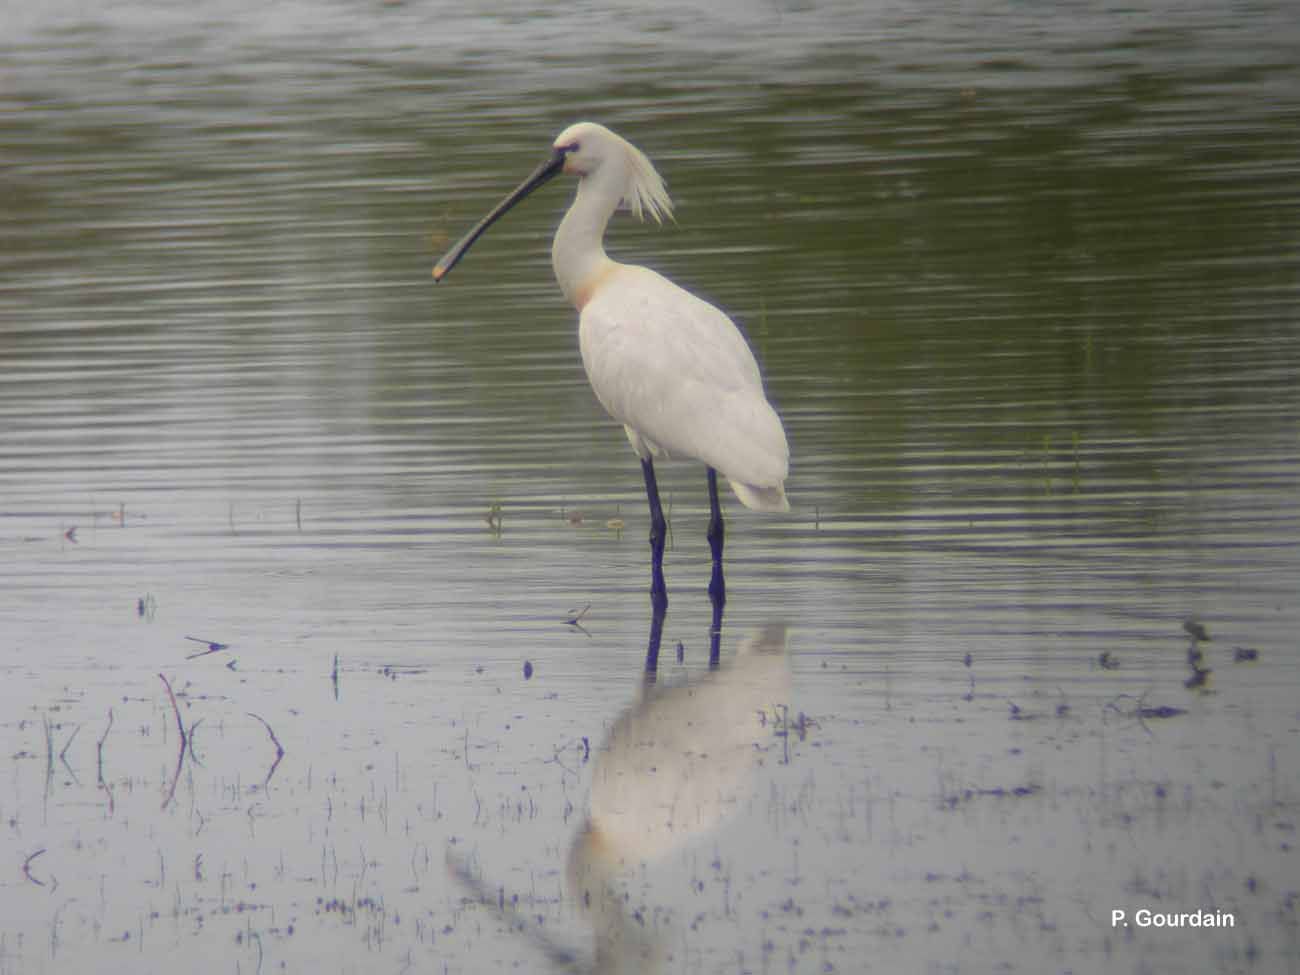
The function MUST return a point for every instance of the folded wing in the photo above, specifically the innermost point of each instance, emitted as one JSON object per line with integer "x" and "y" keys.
{"x": 678, "y": 373}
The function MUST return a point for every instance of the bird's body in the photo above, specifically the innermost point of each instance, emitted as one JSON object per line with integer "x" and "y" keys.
{"x": 678, "y": 375}
{"x": 669, "y": 366}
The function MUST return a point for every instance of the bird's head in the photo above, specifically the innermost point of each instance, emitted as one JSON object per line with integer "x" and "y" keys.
{"x": 590, "y": 152}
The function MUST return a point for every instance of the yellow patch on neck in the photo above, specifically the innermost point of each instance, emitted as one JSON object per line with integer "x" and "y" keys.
{"x": 588, "y": 288}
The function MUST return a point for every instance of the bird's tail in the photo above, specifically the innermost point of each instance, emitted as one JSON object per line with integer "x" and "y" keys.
{"x": 761, "y": 498}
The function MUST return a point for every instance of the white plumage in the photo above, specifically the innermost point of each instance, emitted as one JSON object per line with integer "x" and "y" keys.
{"x": 673, "y": 369}
{"x": 677, "y": 374}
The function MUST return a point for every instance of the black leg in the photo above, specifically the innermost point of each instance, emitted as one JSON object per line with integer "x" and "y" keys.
{"x": 658, "y": 533}
{"x": 717, "y": 585}
{"x": 658, "y": 611}
{"x": 715, "y": 636}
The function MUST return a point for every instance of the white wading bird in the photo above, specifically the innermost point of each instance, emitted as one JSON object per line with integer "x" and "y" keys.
{"x": 673, "y": 369}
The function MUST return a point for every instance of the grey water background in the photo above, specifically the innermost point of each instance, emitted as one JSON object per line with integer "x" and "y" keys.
{"x": 1023, "y": 281}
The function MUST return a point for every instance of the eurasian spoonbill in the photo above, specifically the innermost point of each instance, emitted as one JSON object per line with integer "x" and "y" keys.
{"x": 672, "y": 368}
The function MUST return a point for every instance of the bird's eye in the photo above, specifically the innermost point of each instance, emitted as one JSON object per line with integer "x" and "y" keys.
{"x": 571, "y": 147}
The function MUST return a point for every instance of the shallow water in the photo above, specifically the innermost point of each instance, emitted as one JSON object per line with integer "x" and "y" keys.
{"x": 1024, "y": 289}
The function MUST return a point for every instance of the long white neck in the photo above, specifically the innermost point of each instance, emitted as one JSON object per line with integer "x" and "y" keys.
{"x": 578, "y": 253}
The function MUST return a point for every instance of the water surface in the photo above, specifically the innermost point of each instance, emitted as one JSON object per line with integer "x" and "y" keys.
{"x": 1023, "y": 285}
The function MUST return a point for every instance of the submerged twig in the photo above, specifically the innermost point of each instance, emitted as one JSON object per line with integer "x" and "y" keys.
{"x": 194, "y": 726}
{"x": 180, "y": 755}
{"x": 72, "y": 737}
{"x": 63, "y": 755}
{"x": 99, "y": 762}
{"x": 27, "y": 868}
{"x": 279, "y": 749}
{"x": 494, "y": 520}
{"x": 49, "y": 753}
{"x": 180, "y": 725}
{"x": 575, "y": 619}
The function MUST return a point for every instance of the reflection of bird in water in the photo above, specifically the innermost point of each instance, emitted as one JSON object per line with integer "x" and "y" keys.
{"x": 673, "y": 767}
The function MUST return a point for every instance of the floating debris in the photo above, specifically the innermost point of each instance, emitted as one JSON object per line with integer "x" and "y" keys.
{"x": 528, "y": 670}
{"x": 1108, "y": 661}
{"x": 212, "y": 647}
{"x": 394, "y": 671}
{"x": 1142, "y": 711}
{"x": 952, "y": 800}
{"x": 1195, "y": 656}
{"x": 1243, "y": 655}
{"x": 1063, "y": 706}
{"x": 1017, "y": 713}
{"x": 1164, "y": 711}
